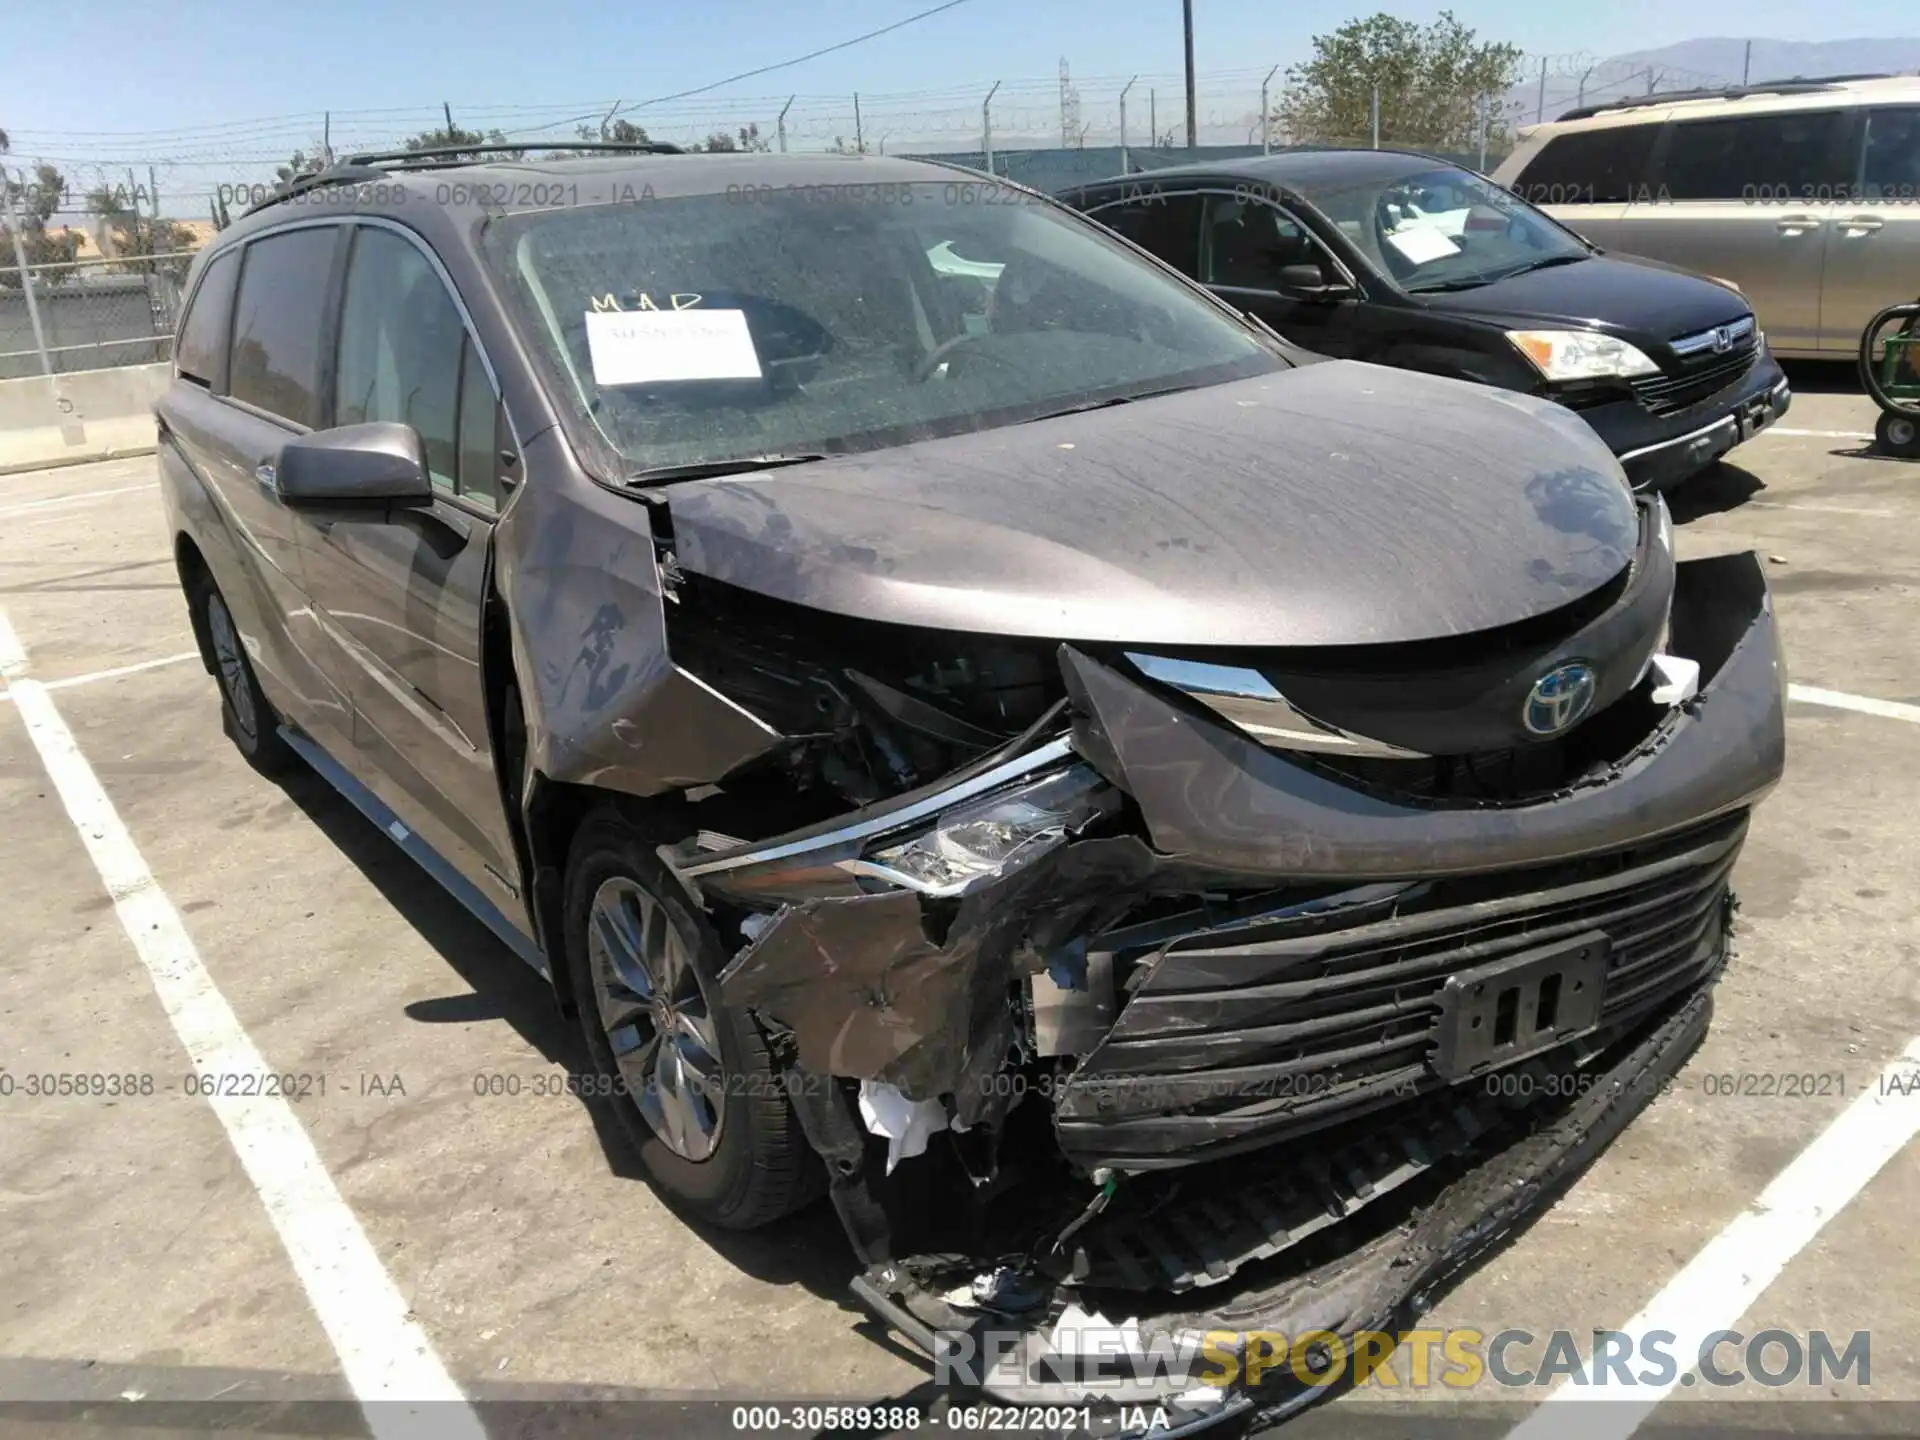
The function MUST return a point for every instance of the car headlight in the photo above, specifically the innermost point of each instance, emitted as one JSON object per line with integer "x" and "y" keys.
{"x": 1580, "y": 354}
{"x": 990, "y": 836}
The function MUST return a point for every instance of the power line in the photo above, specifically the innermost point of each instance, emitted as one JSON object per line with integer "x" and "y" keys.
{"x": 766, "y": 69}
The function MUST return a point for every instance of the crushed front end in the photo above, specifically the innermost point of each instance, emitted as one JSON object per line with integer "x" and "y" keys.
{"x": 1239, "y": 991}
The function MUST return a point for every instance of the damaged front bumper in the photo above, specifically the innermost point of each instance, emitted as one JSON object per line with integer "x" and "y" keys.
{"x": 1242, "y": 1031}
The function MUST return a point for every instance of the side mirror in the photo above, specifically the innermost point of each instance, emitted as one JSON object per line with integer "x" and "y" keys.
{"x": 380, "y": 463}
{"x": 1309, "y": 282}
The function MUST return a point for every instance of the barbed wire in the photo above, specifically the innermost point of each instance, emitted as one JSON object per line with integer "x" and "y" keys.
{"x": 188, "y": 167}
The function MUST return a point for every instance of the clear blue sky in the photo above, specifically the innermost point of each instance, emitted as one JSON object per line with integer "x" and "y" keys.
{"x": 210, "y": 89}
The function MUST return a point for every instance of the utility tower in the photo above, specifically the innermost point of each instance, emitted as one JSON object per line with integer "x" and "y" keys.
{"x": 1072, "y": 137}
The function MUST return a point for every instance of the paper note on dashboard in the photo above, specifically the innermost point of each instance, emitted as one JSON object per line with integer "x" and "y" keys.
{"x": 1422, "y": 243}
{"x": 638, "y": 347}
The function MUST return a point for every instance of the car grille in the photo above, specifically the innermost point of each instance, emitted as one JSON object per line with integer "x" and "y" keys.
{"x": 1244, "y": 1033}
{"x": 1699, "y": 371}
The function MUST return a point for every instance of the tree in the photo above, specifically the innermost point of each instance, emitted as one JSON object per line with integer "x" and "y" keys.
{"x": 32, "y": 203}
{"x": 1431, "y": 81}
{"x": 620, "y": 132}
{"x": 718, "y": 141}
{"x": 299, "y": 167}
{"x": 452, "y": 137}
{"x": 750, "y": 138}
{"x": 137, "y": 238}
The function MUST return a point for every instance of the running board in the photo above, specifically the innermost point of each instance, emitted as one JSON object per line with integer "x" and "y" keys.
{"x": 421, "y": 853}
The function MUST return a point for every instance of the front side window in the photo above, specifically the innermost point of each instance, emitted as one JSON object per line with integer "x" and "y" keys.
{"x": 712, "y": 328}
{"x": 1605, "y": 166}
{"x": 1443, "y": 229}
{"x": 1756, "y": 158}
{"x": 277, "y": 323}
{"x": 400, "y": 339}
{"x": 1246, "y": 242}
{"x": 201, "y": 351}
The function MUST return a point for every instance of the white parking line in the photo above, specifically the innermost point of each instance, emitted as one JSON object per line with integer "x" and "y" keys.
{"x": 112, "y": 674}
{"x": 1721, "y": 1283}
{"x": 1819, "y": 509}
{"x": 1817, "y": 434}
{"x": 1865, "y": 704}
{"x": 384, "y": 1354}
{"x": 83, "y": 498}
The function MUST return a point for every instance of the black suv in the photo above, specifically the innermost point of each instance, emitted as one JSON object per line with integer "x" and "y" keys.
{"x": 972, "y": 725}
{"x": 1403, "y": 259}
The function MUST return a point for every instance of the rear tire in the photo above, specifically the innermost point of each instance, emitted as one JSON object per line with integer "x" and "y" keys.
{"x": 246, "y": 717}
{"x": 692, "y": 1083}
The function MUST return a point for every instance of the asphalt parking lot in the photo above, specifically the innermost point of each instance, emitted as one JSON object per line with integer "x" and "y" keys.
{"x": 141, "y": 1258}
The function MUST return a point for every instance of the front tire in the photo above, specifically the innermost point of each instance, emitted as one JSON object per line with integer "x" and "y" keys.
{"x": 1897, "y": 435}
{"x": 246, "y": 717}
{"x": 692, "y": 1083}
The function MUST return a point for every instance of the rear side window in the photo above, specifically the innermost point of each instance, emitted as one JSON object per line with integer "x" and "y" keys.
{"x": 1167, "y": 225}
{"x": 200, "y": 352}
{"x": 1791, "y": 156}
{"x": 1590, "y": 167}
{"x": 1892, "y": 166}
{"x": 278, "y": 320}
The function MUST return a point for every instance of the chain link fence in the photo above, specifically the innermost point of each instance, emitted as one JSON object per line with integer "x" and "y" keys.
{"x": 92, "y": 314}
{"x": 1052, "y": 133}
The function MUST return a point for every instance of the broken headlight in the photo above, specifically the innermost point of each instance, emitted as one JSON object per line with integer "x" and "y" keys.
{"x": 991, "y": 836}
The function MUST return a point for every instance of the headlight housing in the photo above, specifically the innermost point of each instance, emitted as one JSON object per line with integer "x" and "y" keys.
{"x": 1580, "y": 355}
{"x": 990, "y": 836}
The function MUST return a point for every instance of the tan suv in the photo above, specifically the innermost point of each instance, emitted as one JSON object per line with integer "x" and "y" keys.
{"x": 1805, "y": 194}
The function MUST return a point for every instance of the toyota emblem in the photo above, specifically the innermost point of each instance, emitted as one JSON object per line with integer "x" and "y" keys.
{"x": 1560, "y": 698}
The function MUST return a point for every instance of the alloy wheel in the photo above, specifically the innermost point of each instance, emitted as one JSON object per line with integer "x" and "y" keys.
{"x": 658, "y": 1018}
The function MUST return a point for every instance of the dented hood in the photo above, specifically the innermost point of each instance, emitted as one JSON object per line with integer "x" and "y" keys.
{"x": 1338, "y": 503}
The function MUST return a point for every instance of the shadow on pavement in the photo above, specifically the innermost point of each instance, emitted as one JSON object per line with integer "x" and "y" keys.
{"x": 1715, "y": 490}
{"x": 809, "y": 1248}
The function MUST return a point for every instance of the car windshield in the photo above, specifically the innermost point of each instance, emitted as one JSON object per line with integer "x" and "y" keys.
{"x": 695, "y": 332}
{"x": 1443, "y": 229}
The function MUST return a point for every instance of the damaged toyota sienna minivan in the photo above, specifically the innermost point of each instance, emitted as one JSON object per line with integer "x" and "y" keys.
{"x": 1168, "y": 832}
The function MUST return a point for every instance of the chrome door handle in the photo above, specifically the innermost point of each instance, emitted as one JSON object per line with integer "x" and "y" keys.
{"x": 263, "y": 473}
{"x": 1861, "y": 225}
{"x": 1796, "y": 224}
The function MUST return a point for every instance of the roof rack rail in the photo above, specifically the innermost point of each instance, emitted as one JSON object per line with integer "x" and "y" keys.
{"x": 375, "y": 164}
{"x": 343, "y": 173}
{"x": 441, "y": 156}
{"x": 1823, "y": 79}
{"x": 1726, "y": 92}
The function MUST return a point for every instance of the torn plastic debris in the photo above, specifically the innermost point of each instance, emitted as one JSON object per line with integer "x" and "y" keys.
{"x": 905, "y": 1124}
{"x": 873, "y": 989}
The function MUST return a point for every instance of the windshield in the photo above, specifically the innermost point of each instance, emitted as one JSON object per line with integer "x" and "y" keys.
{"x": 1444, "y": 229}
{"x": 780, "y": 321}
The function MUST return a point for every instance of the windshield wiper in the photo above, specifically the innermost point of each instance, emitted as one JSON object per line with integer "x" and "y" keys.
{"x": 1474, "y": 282}
{"x": 1471, "y": 282}
{"x": 1542, "y": 264}
{"x": 711, "y": 469}
{"x": 1108, "y": 403}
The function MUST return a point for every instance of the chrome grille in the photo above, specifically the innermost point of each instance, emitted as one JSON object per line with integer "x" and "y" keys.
{"x": 1276, "y": 1027}
{"x": 1695, "y": 380}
